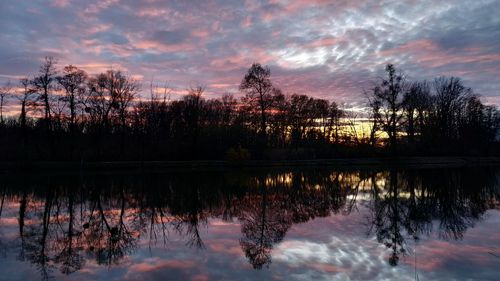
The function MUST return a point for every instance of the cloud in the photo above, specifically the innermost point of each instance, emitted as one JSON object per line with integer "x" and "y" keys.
{"x": 329, "y": 49}
{"x": 112, "y": 38}
{"x": 170, "y": 37}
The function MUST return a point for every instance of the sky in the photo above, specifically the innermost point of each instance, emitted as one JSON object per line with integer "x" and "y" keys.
{"x": 327, "y": 49}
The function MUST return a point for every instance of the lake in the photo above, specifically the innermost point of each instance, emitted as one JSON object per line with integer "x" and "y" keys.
{"x": 261, "y": 224}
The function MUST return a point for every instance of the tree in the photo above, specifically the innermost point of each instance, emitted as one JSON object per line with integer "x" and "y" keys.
{"x": 24, "y": 99}
{"x": 374, "y": 116}
{"x": 73, "y": 81}
{"x": 449, "y": 102}
{"x": 258, "y": 87}
{"x": 415, "y": 105}
{"x": 126, "y": 90}
{"x": 335, "y": 115}
{"x": 43, "y": 84}
{"x": 111, "y": 93}
{"x": 193, "y": 107}
{"x": 301, "y": 116}
{"x": 387, "y": 98}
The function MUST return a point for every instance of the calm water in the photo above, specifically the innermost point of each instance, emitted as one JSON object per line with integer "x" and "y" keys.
{"x": 262, "y": 225}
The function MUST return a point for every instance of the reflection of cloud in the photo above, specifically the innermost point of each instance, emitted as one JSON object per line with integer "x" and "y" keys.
{"x": 154, "y": 264}
{"x": 344, "y": 257}
{"x": 225, "y": 247}
{"x": 327, "y": 248}
{"x": 200, "y": 277}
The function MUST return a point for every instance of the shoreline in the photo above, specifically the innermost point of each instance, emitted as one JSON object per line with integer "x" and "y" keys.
{"x": 158, "y": 166}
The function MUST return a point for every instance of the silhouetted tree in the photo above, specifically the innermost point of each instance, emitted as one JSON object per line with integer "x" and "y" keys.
{"x": 258, "y": 87}
{"x": 24, "y": 99}
{"x": 101, "y": 117}
{"x": 44, "y": 85}
{"x": 73, "y": 81}
{"x": 450, "y": 99}
{"x": 387, "y": 99}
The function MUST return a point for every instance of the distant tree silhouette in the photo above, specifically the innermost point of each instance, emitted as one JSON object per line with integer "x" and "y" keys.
{"x": 25, "y": 99}
{"x": 387, "y": 100}
{"x": 44, "y": 84}
{"x": 416, "y": 103}
{"x": 258, "y": 87}
{"x": 103, "y": 118}
{"x": 73, "y": 81}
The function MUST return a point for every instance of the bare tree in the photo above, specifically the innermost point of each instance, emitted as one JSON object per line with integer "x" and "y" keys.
{"x": 25, "y": 99}
{"x": 72, "y": 80}
{"x": 415, "y": 104}
{"x": 374, "y": 116}
{"x": 388, "y": 95}
{"x": 127, "y": 90}
{"x": 449, "y": 101}
{"x": 44, "y": 84}
{"x": 301, "y": 117}
{"x": 193, "y": 107}
{"x": 111, "y": 92}
{"x": 334, "y": 121}
{"x": 258, "y": 87}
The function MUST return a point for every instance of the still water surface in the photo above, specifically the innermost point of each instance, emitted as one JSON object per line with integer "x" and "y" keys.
{"x": 297, "y": 224}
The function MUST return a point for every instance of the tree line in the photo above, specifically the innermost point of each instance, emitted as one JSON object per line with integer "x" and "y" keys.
{"x": 67, "y": 114}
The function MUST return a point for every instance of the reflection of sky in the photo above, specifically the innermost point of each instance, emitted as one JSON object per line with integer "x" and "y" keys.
{"x": 332, "y": 248}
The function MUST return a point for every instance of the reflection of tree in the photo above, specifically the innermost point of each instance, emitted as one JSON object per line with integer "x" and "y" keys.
{"x": 263, "y": 224}
{"x": 56, "y": 238}
{"x": 62, "y": 226}
{"x": 3, "y": 246}
{"x": 413, "y": 200}
{"x": 284, "y": 199}
{"x": 188, "y": 226}
{"x": 389, "y": 217}
{"x": 110, "y": 242}
{"x": 37, "y": 238}
{"x": 22, "y": 215}
{"x": 69, "y": 257}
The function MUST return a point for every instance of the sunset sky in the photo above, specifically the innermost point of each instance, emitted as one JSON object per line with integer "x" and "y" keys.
{"x": 329, "y": 49}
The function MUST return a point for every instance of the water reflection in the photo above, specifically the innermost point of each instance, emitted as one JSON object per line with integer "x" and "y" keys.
{"x": 65, "y": 222}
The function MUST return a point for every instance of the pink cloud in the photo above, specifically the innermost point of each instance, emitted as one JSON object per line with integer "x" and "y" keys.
{"x": 434, "y": 254}
{"x": 325, "y": 267}
{"x": 155, "y": 264}
{"x": 225, "y": 246}
{"x": 162, "y": 47}
{"x": 200, "y": 277}
{"x": 429, "y": 54}
{"x": 60, "y": 3}
{"x": 323, "y": 42}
